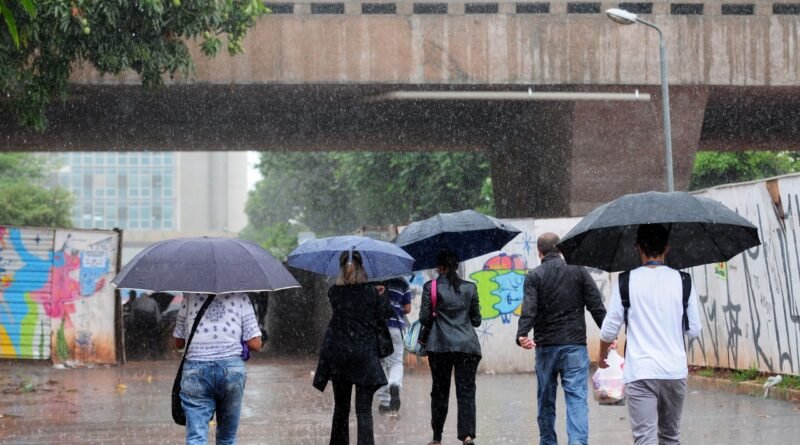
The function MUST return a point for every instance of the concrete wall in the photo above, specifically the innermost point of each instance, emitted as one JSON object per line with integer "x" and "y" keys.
{"x": 506, "y": 47}
{"x": 56, "y": 300}
{"x": 749, "y": 306}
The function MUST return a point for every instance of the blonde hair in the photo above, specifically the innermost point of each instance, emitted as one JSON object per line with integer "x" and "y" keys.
{"x": 350, "y": 271}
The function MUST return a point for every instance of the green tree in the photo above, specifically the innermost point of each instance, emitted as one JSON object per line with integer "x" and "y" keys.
{"x": 24, "y": 198}
{"x": 714, "y": 168}
{"x": 38, "y": 51}
{"x": 334, "y": 193}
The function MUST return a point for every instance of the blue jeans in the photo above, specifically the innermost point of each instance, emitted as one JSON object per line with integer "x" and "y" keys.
{"x": 212, "y": 386}
{"x": 572, "y": 363}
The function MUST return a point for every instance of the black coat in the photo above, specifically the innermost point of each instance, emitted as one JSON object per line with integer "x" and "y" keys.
{"x": 349, "y": 351}
{"x": 556, "y": 295}
{"x": 457, "y": 316}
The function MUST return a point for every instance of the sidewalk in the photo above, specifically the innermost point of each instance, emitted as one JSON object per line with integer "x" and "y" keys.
{"x": 130, "y": 405}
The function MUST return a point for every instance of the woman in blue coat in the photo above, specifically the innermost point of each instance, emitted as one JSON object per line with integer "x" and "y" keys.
{"x": 349, "y": 354}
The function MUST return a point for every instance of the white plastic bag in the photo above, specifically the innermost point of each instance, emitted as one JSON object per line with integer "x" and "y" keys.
{"x": 607, "y": 382}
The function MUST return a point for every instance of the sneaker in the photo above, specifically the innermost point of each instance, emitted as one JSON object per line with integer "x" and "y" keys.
{"x": 384, "y": 408}
{"x": 394, "y": 393}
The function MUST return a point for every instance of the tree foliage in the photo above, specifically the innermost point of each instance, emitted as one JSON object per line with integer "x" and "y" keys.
{"x": 24, "y": 199}
{"x": 714, "y": 168}
{"x": 38, "y": 51}
{"x": 334, "y": 193}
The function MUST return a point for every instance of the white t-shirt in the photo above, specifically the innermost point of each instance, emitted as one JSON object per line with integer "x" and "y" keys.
{"x": 655, "y": 345}
{"x": 228, "y": 320}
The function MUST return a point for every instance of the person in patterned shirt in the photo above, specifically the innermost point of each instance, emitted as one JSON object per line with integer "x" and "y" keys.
{"x": 214, "y": 374}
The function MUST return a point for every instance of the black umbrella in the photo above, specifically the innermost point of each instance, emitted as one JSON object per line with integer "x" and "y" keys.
{"x": 468, "y": 234}
{"x": 701, "y": 231}
{"x": 205, "y": 265}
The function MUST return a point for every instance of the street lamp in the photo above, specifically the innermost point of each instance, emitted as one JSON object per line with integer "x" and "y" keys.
{"x": 624, "y": 17}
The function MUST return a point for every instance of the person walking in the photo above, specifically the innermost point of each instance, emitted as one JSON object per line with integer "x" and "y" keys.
{"x": 214, "y": 374}
{"x": 349, "y": 354}
{"x": 556, "y": 295}
{"x": 658, "y": 305}
{"x": 452, "y": 345}
{"x": 398, "y": 292}
{"x": 146, "y": 316}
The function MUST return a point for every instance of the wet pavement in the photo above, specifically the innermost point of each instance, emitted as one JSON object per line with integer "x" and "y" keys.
{"x": 130, "y": 404}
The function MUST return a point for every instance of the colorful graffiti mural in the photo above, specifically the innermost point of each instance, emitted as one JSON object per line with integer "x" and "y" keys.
{"x": 501, "y": 285}
{"x": 25, "y": 261}
{"x": 57, "y": 297}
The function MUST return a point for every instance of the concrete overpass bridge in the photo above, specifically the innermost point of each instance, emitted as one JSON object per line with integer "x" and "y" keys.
{"x": 311, "y": 71}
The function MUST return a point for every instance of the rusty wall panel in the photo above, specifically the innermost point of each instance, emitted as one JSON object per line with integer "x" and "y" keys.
{"x": 82, "y": 319}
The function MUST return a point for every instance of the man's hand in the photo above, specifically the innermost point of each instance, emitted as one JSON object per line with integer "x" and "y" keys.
{"x": 602, "y": 364}
{"x": 526, "y": 343}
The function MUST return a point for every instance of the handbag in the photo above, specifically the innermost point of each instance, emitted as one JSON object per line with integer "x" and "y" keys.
{"x": 178, "y": 415}
{"x": 385, "y": 344}
{"x": 417, "y": 334}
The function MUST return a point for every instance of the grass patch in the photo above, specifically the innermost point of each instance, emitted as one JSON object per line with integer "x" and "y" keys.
{"x": 744, "y": 375}
{"x": 790, "y": 382}
{"x": 706, "y": 372}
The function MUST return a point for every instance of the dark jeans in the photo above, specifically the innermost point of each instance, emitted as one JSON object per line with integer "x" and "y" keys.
{"x": 340, "y": 432}
{"x": 442, "y": 366}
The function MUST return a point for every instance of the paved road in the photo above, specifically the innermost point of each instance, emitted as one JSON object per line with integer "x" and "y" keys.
{"x": 130, "y": 405}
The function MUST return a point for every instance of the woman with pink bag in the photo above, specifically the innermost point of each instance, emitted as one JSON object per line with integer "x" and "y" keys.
{"x": 451, "y": 310}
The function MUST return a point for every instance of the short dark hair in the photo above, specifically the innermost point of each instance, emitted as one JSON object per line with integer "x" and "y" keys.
{"x": 546, "y": 243}
{"x": 652, "y": 239}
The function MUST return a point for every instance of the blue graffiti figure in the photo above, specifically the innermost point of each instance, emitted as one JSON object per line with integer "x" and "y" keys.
{"x": 94, "y": 265}
{"x": 511, "y": 292}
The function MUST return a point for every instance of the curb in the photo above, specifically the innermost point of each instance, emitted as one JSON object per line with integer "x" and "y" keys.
{"x": 746, "y": 388}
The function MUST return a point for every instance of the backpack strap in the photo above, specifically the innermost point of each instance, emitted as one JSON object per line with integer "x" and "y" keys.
{"x": 624, "y": 295}
{"x": 686, "y": 281}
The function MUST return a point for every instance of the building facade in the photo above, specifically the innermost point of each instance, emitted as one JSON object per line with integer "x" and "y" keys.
{"x": 156, "y": 195}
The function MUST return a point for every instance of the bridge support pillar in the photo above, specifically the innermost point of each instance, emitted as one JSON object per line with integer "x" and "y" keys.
{"x": 565, "y": 159}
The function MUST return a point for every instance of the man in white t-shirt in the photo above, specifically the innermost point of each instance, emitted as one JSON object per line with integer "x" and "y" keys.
{"x": 655, "y": 369}
{"x": 214, "y": 375}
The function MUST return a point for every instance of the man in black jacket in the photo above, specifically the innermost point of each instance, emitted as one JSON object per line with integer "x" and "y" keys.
{"x": 555, "y": 297}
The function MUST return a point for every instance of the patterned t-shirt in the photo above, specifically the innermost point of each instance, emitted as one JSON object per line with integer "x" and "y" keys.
{"x": 228, "y": 320}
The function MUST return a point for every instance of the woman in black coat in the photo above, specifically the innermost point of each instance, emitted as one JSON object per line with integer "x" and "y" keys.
{"x": 349, "y": 353}
{"x": 452, "y": 345}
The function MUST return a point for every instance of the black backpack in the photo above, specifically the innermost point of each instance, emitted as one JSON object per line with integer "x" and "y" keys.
{"x": 624, "y": 293}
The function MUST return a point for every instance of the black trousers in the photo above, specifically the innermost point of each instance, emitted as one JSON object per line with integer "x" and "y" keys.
{"x": 466, "y": 367}
{"x": 340, "y": 432}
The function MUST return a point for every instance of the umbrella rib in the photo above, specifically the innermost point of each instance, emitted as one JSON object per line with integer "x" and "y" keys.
{"x": 719, "y": 250}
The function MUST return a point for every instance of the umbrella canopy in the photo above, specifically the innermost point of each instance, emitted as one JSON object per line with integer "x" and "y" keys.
{"x": 468, "y": 234}
{"x": 701, "y": 231}
{"x": 380, "y": 259}
{"x": 205, "y": 265}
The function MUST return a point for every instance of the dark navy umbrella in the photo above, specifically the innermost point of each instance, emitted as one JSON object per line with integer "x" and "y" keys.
{"x": 701, "y": 231}
{"x": 468, "y": 234}
{"x": 205, "y": 265}
{"x": 380, "y": 259}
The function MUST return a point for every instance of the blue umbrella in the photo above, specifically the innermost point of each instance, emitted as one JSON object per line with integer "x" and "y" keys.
{"x": 468, "y": 234}
{"x": 380, "y": 259}
{"x": 205, "y": 265}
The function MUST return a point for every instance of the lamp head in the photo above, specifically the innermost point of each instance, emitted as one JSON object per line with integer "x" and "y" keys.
{"x": 621, "y": 16}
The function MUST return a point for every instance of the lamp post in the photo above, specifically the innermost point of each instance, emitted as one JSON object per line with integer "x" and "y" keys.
{"x": 624, "y": 17}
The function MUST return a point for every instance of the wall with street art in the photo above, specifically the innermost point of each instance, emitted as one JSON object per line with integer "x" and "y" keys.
{"x": 500, "y": 278}
{"x": 55, "y": 298}
{"x": 749, "y": 306}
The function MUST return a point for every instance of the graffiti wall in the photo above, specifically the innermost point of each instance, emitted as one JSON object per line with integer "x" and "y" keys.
{"x": 500, "y": 278}
{"x": 749, "y": 306}
{"x": 26, "y": 257}
{"x": 55, "y": 296}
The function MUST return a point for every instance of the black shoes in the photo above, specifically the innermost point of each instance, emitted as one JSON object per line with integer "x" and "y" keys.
{"x": 394, "y": 402}
{"x": 384, "y": 409}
